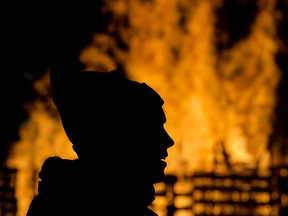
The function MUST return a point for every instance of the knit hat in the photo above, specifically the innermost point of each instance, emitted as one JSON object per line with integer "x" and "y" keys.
{"x": 101, "y": 106}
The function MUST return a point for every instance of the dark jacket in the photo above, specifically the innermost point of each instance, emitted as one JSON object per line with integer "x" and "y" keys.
{"x": 68, "y": 188}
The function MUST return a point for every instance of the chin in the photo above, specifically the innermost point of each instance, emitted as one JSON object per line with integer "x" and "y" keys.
{"x": 155, "y": 172}
{"x": 159, "y": 177}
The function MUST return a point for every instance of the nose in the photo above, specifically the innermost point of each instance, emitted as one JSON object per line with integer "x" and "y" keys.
{"x": 169, "y": 141}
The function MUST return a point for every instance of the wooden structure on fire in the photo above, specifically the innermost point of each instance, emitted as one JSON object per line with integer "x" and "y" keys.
{"x": 225, "y": 191}
{"x": 8, "y": 202}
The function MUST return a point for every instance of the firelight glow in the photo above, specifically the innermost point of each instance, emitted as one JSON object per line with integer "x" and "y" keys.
{"x": 209, "y": 97}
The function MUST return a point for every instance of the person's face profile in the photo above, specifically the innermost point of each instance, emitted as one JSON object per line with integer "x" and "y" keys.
{"x": 154, "y": 143}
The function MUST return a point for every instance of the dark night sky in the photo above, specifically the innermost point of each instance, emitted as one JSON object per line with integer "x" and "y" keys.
{"x": 31, "y": 32}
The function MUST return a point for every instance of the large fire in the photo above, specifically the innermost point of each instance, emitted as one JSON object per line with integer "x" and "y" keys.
{"x": 210, "y": 96}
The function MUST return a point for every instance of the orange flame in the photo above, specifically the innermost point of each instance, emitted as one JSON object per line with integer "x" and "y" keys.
{"x": 208, "y": 97}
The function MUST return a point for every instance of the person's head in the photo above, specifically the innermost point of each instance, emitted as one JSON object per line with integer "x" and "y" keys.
{"x": 114, "y": 121}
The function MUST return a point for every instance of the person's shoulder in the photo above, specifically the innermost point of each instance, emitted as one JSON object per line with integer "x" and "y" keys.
{"x": 57, "y": 173}
{"x": 55, "y": 166}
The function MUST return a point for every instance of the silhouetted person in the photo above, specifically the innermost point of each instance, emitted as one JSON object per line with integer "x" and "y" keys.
{"x": 116, "y": 126}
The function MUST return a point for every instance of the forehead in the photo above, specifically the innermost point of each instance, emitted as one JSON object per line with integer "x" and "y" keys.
{"x": 154, "y": 116}
{"x": 162, "y": 115}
